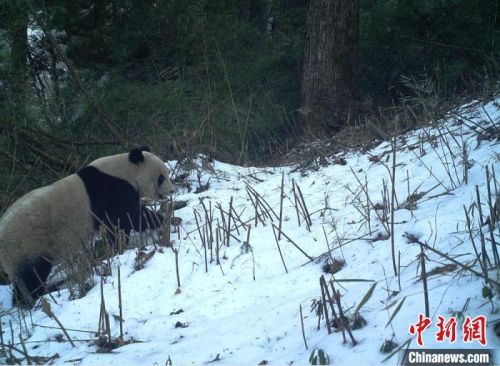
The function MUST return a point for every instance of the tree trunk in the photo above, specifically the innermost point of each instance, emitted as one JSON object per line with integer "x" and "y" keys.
{"x": 329, "y": 90}
{"x": 17, "y": 28}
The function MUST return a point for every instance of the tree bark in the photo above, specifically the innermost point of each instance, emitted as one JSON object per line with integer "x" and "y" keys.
{"x": 329, "y": 89}
{"x": 17, "y": 25}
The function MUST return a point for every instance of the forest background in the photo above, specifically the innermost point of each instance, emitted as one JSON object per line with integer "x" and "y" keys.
{"x": 228, "y": 78}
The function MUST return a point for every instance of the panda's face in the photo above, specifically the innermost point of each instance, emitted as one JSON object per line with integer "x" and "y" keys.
{"x": 145, "y": 172}
{"x": 153, "y": 177}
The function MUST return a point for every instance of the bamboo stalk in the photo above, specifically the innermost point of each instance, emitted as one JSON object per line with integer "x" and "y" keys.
{"x": 120, "y": 304}
{"x": 304, "y": 207}
{"x": 491, "y": 224}
{"x": 294, "y": 244}
{"x": 46, "y": 309}
{"x": 302, "y": 327}
{"x": 393, "y": 208}
{"x": 296, "y": 203}
{"x": 28, "y": 358}
{"x": 424, "y": 281}
{"x": 176, "y": 255}
{"x": 325, "y": 309}
{"x": 336, "y": 294}
{"x": 467, "y": 268}
{"x": 282, "y": 196}
{"x": 230, "y": 215}
{"x": 2, "y": 343}
{"x": 340, "y": 322}
{"x": 484, "y": 254}
{"x": 279, "y": 249}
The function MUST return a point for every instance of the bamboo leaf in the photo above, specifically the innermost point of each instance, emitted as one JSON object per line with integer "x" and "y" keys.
{"x": 352, "y": 280}
{"x": 365, "y": 298}
{"x": 390, "y": 305}
{"x": 396, "y": 311}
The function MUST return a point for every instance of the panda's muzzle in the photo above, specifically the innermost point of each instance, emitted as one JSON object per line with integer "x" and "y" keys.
{"x": 163, "y": 196}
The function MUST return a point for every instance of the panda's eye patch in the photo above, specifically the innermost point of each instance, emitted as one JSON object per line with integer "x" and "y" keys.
{"x": 161, "y": 179}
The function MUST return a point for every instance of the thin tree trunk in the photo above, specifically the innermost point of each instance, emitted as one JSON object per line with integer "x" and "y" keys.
{"x": 329, "y": 90}
{"x": 17, "y": 28}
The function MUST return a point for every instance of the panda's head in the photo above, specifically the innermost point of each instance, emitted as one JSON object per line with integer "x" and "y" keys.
{"x": 152, "y": 176}
{"x": 145, "y": 171}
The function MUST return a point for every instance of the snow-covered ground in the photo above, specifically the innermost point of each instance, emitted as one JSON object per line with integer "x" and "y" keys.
{"x": 246, "y": 310}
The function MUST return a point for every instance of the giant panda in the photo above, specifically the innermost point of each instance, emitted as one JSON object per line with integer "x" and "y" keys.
{"x": 49, "y": 223}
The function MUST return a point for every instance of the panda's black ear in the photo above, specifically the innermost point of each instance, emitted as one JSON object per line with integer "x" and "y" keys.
{"x": 135, "y": 156}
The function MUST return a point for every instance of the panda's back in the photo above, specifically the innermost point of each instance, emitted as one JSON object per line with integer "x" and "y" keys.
{"x": 52, "y": 219}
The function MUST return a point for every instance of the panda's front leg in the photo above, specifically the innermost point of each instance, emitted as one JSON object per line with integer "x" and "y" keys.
{"x": 30, "y": 280}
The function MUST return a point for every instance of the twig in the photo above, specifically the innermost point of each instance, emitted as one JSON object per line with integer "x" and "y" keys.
{"x": 47, "y": 310}
{"x": 282, "y": 196}
{"x": 251, "y": 250}
{"x": 413, "y": 239}
{"x": 225, "y": 227}
{"x": 296, "y": 203}
{"x": 339, "y": 321}
{"x": 202, "y": 238}
{"x": 491, "y": 221}
{"x": 230, "y": 216}
{"x": 71, "y": 329}
{"x": 101, "y": 328}
{"x": 325, "y": 309}
{"x": 28, "y": 358}
{"x": 393, "y": 208}
{"x": 120, "y": 307}
{"x": 342, "y": 318}
{"x": 469, "y": 230}
{"x": 424, "y": 280}
{"x": 304, "y": 207}
{"x": 279, "y": 249}
{"x": 484, "y": 255}
{"x": 381, "y": 219}
{"x": 263, "y": 203}
{"x": 302, "y": 327}
{"x": 294, "y": 244}
{"x": 2, "y": 343}
{"x": 176, "y": 255}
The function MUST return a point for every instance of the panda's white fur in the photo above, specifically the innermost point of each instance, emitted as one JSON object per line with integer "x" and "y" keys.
{"x": 44, "y": 219}
{"x": 54, "y": 221}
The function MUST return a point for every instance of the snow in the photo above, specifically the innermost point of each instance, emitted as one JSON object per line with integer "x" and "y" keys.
{"x": 231, "y": 318}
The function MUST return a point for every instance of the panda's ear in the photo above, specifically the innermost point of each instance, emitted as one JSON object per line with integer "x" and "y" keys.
{"x": 135, "y": 156}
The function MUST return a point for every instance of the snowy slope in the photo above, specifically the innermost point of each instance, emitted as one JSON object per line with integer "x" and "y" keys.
{"x": 231, "y": 318}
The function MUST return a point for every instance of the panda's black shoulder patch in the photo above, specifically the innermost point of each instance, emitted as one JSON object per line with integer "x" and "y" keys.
{"x": 113, "y": 201}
